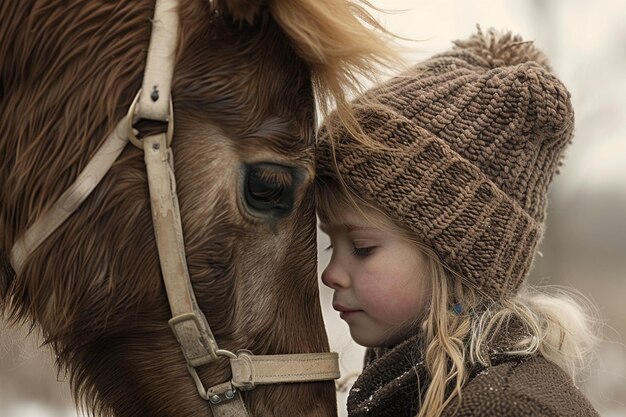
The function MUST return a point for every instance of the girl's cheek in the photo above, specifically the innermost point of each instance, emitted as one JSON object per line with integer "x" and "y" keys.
{"x": 398, "y": 304}
{"x": 370, "y": 293}
{"x": 379, "y": 301}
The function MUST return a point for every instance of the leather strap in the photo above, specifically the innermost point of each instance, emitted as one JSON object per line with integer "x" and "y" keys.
{"x": 69, "y": 201}
{"x": 157, "y": 80}
{"x": 188, "y": 322}
{"x": 250, "y": 370}
{"x": 153, "y": 104}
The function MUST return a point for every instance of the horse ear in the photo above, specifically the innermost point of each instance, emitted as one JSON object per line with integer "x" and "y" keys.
{"x": 242, "y": 10}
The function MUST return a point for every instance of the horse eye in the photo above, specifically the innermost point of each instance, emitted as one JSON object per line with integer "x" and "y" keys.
{"x": 269, "y": 189}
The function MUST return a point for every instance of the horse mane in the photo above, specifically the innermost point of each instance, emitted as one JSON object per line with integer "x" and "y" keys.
{"x": 337, "y": 41}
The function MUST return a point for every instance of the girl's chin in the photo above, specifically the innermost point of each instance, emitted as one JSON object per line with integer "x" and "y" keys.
{"x": 367, "y": 336}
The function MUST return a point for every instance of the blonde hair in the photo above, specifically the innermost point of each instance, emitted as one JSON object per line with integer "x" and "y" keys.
{"x": 345, "y": 46}
{"x": 553, "y": 322}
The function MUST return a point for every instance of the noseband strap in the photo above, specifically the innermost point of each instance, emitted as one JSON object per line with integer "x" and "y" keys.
{"x": 249, "y": 370}
{"x": 188, "y": 323}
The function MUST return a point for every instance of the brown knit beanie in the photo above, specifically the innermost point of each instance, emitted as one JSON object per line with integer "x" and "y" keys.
{"x": 474, "y": 137}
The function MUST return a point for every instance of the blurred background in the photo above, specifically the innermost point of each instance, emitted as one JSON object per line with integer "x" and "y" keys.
{"x": 585, "y": 244}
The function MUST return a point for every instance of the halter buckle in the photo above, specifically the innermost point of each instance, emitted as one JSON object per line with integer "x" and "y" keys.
{"x": 222, "y": 392}
{"x": 197, "y": 342}
{"x": 131, "y": 119}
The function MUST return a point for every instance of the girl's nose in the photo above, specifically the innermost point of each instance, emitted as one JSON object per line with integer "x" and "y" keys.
{"x": 334, "y": 276}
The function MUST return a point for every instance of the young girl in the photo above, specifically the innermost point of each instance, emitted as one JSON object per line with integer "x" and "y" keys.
{"x": 435, "y": 211}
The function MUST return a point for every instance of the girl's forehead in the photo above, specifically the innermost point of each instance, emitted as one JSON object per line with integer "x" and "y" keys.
{"x": 350, "y": 219}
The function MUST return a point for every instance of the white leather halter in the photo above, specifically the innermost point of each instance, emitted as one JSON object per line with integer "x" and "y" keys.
{"x": 188, "y": 323}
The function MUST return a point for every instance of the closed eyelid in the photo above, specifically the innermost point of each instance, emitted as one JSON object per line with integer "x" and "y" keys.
{"x": 363, "y": 251}
{"x": 365, "y": 236}
{"x": 364, "y": 242}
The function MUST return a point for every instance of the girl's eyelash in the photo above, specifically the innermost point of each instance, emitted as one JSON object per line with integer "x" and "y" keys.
{"x": 359, "y": 252}
{"x": 363, "y": 252}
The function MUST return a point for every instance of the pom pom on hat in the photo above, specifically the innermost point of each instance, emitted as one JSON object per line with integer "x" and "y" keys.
{"x": 500, "y": 49}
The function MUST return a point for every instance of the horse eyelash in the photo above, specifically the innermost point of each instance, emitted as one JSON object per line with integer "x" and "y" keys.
{"x": 282, "y": 178}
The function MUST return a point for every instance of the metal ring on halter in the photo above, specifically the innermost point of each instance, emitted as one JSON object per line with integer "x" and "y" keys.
{"x": 226, "y": 353}
{"x": 196, "y": 379}
{"x": 131, "y": 119}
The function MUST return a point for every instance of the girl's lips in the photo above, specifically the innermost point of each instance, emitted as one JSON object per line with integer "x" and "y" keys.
{"x": 345, "y": 312}
{"x": 343, "y": 309}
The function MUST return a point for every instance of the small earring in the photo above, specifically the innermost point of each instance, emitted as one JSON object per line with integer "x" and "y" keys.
{"x": 457, "y": 309}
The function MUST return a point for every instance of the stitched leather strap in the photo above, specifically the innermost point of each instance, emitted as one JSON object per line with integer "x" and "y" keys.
{"x": 250, "y": 370}
{"x": 69, "y": 201}
{"x": 157, "y": 80}
{"x": 188, "y": 322}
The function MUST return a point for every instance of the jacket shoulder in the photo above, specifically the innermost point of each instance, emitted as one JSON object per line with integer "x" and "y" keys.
{"x": 530, "y": 387}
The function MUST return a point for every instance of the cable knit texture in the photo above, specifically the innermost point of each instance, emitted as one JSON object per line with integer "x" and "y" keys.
{"x": 512, "y": 387}
{"x": 473, "y": 138}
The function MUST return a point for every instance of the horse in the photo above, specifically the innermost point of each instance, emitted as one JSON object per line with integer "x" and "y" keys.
{"x": 248, "y": 77}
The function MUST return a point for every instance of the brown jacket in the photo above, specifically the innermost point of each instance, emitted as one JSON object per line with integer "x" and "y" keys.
{"x": 513, "y": 387}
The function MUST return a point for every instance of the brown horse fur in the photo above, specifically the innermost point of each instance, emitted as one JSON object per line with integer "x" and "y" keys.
{"x": 243, "y": 91}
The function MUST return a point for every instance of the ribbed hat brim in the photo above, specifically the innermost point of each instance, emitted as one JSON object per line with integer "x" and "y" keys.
{"x": 476, "y": 229}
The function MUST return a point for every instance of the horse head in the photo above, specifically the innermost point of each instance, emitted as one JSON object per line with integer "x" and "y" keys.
{"x": 247, "y": 75}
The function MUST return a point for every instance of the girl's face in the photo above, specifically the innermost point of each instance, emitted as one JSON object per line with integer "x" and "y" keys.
{"x": 380, "y": 279}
